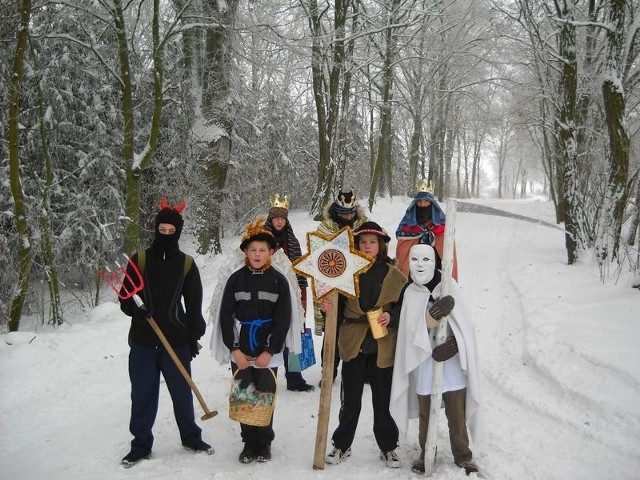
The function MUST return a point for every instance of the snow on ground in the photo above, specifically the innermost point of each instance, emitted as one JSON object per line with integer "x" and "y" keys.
{"x": 559, "y": 360}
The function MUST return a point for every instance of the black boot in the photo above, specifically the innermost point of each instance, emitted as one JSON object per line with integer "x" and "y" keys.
{"x": 301, "y": 387}
{"x": 134, "y": 456}
{"x": 263, "y": 453}
{"x": 248, "y": 453}
{"x": 199, "y": 446}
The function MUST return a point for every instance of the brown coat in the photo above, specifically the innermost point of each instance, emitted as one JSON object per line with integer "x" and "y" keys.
{"x": 352, "y": 334}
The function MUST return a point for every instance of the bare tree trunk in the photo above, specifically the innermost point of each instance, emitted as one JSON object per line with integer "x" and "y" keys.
{"x": 46, "y": 243}
{"x": 135, "y": 164}
{"x": 414, "y": 151}
{"x": 385, "y": 139}
{"x": 327, "y": 103}
{"x": 24, "y": 237}
{"x": 345, "y": 104}
{"x": 614, "y": 102}
{"x": 566, "y": 131}
{"x": 216, "y": 110}
{"x": 635, "y": 221}
{"x": 132, "y": 196}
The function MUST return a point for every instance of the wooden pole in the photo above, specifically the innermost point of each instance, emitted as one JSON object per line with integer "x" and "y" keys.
{"x": 441, "y": 336}
{"x": 207, "y": 413}
{"x": 324, "y": 410}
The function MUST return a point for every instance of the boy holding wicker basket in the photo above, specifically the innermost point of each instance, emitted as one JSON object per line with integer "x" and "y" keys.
{"x": 254, "y": 316}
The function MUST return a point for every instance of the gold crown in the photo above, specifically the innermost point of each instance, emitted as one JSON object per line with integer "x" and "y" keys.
{"x": 255, "y": 228}
{"x": 423, "y": 186}
{"x": 277, "y": 202}
{"x": 347, "y": 198}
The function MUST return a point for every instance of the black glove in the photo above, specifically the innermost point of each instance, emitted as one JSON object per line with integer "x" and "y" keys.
{"x": 442, "y": 307}
{"x": 445, "y": 350}
{"x": 194, "y": 346}
{"x": 139, "y": 314}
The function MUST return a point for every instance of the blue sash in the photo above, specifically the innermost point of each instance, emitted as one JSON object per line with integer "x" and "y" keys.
{"x": 254, "y": 325}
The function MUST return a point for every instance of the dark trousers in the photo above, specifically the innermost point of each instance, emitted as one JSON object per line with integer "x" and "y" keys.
{"x": 454, "y": 408}
{"x": 294, "y": 379}
{"x": 354, "y": 374}
{"x": 336, "y": 359}
{"x": 264, "y": 381}
{"x": 145, "y": 366}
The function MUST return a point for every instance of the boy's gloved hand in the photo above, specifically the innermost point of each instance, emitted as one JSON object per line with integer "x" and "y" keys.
{"x": 140, "y": 314}
{"x": 194, "y": 346}
{"x": 442, "y": 307}
{"x": 445, "y": 350}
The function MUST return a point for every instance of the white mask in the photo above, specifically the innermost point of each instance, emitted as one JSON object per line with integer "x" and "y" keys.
{"x": 422, "y": 263}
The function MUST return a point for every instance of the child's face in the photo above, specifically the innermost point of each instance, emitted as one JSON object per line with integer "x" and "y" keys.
{"x": 278, "y": 222}
{"x": 368, "y": 243}
{"x": 258, "y": 253}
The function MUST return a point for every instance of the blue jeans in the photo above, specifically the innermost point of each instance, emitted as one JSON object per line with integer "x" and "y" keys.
{"x": 145, "y": 366}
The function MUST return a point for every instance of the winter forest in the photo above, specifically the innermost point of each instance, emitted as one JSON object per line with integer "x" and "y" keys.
{"x": 106, "y": 105}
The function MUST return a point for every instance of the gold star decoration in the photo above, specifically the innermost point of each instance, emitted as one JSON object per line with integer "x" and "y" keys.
{"x": 333, "y": 263}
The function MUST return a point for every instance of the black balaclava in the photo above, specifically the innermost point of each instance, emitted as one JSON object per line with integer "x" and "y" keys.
{"x": 423, "y": 214}
{"x": 168, "y": 243}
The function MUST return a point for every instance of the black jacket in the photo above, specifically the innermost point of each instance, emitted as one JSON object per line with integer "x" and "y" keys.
{"x": 248, "y": 296}
{"x": 163, "y": 294}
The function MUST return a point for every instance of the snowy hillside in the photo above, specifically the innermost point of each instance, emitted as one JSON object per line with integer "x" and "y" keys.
{"x": 559, "y": 356}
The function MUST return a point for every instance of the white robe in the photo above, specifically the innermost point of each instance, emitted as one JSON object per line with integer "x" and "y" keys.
{"x": 293, "y": 340}
{"x": 414, "y": 347}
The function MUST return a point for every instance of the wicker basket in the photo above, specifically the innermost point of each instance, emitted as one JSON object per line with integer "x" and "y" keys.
{"x": 256, "y": 414}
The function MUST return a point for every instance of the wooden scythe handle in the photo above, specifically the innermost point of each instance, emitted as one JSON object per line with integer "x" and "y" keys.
{"x": 330, "y": 327}
{"x": 207, "y": 413}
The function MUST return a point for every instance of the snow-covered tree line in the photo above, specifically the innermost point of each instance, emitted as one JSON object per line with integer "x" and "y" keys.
{"x": 115, "y": 104}
{"x": 580, "y": 66}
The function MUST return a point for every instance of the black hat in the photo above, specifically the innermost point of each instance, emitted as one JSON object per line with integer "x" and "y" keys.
{"x": 256, "y": 232}
{"x": 171, "y": 215}
{"x": 374, "y": 228}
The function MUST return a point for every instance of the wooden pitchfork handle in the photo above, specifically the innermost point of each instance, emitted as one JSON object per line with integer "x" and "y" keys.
{"x": 207, "y": 413}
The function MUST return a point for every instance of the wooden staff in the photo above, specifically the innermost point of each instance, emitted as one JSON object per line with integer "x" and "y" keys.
{"x": 441, "y": 337}
{"x": 207, "y": 413}
{"x": 326, "y": 386}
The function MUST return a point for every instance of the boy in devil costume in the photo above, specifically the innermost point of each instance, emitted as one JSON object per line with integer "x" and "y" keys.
{"x": 167, "y": 283}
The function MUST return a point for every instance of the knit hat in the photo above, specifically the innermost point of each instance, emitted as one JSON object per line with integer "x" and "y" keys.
{"x": 374, "y": 228}
{"x": 346, "y": 201}
{"x": 256, "y": 231}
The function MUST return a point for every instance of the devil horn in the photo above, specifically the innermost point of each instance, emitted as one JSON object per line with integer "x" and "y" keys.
{"x": 180, "y": 207}
{"x": 164, "y": 204}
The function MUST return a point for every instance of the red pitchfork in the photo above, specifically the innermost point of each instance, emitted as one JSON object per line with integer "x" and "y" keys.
{"x": 128, "y": 288}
